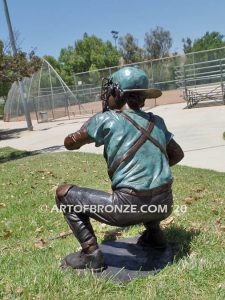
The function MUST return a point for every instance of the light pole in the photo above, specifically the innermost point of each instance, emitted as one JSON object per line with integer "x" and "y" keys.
{"x": 20, "y": 83}
{"x": 115, "y": 36}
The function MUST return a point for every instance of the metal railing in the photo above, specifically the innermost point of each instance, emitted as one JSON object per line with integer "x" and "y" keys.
{"x": 167, "y": 73}
{"x": 202, "y": 81}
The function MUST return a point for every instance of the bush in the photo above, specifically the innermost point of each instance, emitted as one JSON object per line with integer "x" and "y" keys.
{"x": 1, "y": 110}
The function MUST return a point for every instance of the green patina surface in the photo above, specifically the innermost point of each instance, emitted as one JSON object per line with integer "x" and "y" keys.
{"x": 148, "y": 168}
{"x": 131, "y": 78}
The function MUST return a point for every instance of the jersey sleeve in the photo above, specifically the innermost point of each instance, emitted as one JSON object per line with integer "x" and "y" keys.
{"x": 163, "y": 127}
{"x": 95, "y": 128}
{"x": 168, "y": 134}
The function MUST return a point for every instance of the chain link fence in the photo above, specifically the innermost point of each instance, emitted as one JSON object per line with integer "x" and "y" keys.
{"x": 161, "y": 72}
{"x": 167, "y": 74}
{"x": 50, "y": 98}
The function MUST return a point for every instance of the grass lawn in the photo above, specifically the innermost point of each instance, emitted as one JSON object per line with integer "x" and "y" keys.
{"x": 33, "y": 240}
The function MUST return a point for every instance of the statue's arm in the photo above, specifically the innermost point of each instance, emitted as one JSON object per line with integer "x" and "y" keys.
{"x": 175, "y": 153}
{"x": 77, "y": 139}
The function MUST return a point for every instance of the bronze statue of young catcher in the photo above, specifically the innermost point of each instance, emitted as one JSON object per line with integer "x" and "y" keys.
{"x": 139, "y": 151}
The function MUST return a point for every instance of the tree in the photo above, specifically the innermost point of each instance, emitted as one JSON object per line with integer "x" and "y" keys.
{"x": 206, "y": 42}
{"x": 53, "y": 62}
{"x": 4, "y": 86}
{"x": 129, "y": 48}
{"x": 14, "y": 68}
{"x": 4, "y": 89}
{"x": 94, "y": 75}
{"x": 86, "y": 53}
{"x": 158, "y": 42}
{"x": 187, "y": 45}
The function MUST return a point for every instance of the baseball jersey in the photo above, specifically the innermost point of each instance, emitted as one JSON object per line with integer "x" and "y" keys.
{"x": 148, "y": 167}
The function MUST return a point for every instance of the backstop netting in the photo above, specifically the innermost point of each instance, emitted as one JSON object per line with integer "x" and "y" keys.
{"x": 47, "y": 95}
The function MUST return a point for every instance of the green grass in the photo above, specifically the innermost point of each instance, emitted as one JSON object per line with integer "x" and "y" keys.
{"x": 224, "y": 135}
{"x": 8, "y": 154}
{"x": 30, "y": 271}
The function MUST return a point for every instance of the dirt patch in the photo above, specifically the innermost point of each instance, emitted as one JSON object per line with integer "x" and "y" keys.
{"x": 90, "y": 108}
{"x": 168, "y": 97}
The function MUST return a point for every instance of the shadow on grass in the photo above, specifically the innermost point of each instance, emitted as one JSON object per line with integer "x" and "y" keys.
{"x": 127, "y": 260}
{"x": 51, "y": 149}
{"x": 180, "y": 240}
{"x": 11, "y": 133}
{"x": 178, "y": 237}
{"x": 8, "y": 154}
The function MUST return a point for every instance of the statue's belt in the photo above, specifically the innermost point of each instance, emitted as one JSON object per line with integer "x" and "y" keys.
{"x": 150, "y": 193}
{"x": 145, "y": 135}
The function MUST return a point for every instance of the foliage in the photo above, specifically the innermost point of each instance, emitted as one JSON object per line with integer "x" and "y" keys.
{"x": 33, "y": 240}
{"x": 1, "y": 47}
{"x": 53, "y": 62}
{"x": 4, "y": 89}
{"x": 187, "y": 45}
{"x": 94, "y": 75}
{"x": 91, "y": 53}
{"x": 4, "y": 86}
{"x": 130, "y": 50}
{"x": 158, "y": 42}
{"x": 86, "y": 53}
{"x": 1, "y": 110}
{"x": 206, "y": 42}
{"x": 14, "y": 68}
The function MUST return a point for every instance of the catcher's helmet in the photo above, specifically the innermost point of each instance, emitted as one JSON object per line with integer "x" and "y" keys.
{"x": 127, "y": 80}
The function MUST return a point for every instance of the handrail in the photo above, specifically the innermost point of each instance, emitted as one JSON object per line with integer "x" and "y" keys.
{"x": 202, "y": 62}
{"x": 201, "y": 78}
{"x": 207, "y": 67}
{"x": 200, "y": 75}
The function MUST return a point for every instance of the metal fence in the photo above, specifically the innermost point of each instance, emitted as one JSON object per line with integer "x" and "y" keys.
{"x": 202, "y": 81}
{"x": 165, "y": 73}
{"x": 50, "y": 98}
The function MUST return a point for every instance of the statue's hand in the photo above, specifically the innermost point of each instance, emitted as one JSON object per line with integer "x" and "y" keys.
{"x": 77, "y": 139}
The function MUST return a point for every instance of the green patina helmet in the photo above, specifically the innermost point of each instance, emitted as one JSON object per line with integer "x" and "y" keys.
{"x": 133, "y": 79}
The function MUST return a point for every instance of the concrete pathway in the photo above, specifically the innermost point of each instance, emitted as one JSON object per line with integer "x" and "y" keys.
{"x": 199, "y": 131}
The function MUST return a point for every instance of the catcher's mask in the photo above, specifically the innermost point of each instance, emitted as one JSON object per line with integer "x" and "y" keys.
{"x": 127, "y": 81}
{"x": 111, "y": 89}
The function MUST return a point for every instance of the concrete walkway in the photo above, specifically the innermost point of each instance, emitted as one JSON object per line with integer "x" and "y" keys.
{"x": 199, "y": 131}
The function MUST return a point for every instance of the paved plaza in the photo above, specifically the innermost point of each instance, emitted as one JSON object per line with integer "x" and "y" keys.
{"x": 199, "y": 131}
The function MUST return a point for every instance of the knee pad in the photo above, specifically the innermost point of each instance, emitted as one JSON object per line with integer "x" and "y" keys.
{"x": 62, "y": 190}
